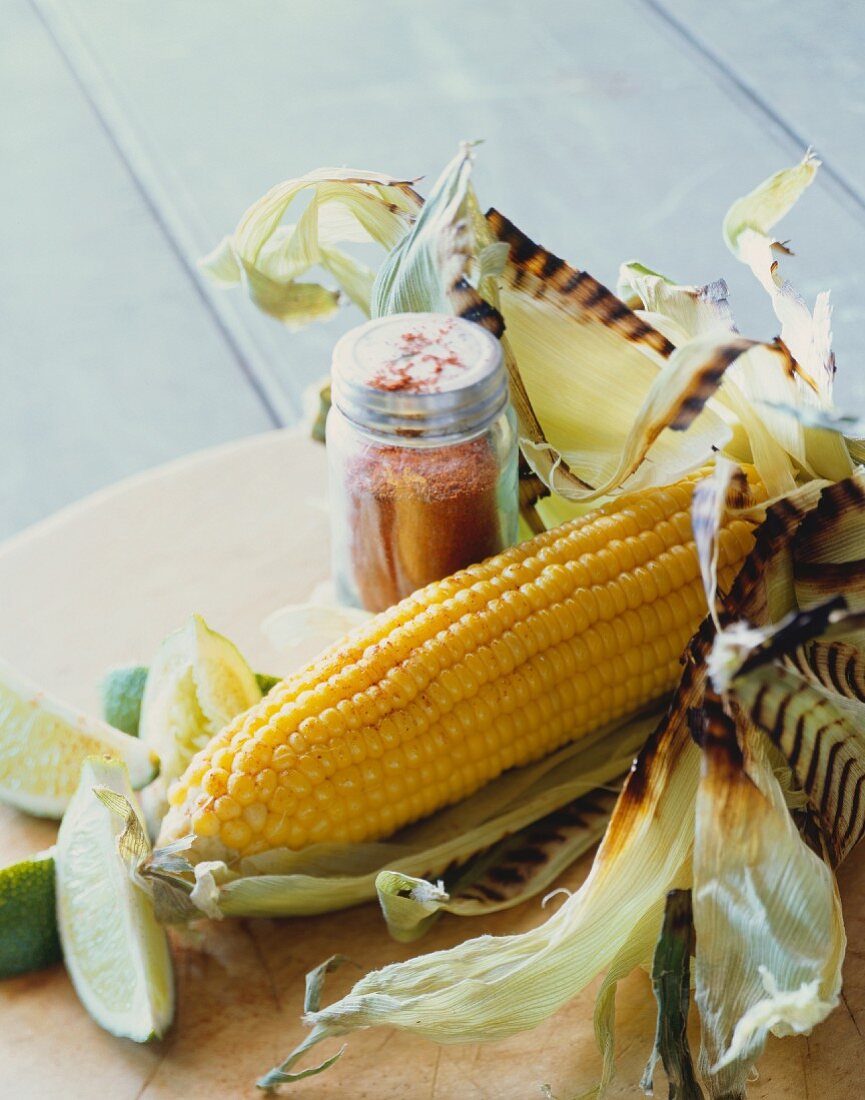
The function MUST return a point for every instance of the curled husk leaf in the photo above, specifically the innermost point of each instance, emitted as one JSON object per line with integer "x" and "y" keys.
{"x": 770, "y": 938}
{"x": 620, "y": 393}
{"x": 489, "y": 988}
{"x": 268, "y": 258}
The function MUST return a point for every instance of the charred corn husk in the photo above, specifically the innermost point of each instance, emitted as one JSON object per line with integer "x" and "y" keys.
{"x": 491, "y": 668}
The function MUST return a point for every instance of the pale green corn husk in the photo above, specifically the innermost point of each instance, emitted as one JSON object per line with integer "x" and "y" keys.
{"x": 770, "y": 937}
{"x": 198, "y": 681}
{"x": 602, "y": 397}
{"x": 411, "y": 279}
{"x": 680, "y": 312}
{"x": 671, "y": 982}
{"x": 612, "y": 398}
{"x": 313, "y": 622}
{"x": 522, "y": 865}
{"x": 488, "y": 988}
{"x": 807, "y": 334}
{"x": 269, "y": 258}
{"x": 323, "y": 878}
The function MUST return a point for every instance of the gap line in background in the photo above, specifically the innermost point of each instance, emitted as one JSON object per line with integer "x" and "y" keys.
{"x": 281, "y": 407}
{"x": 846, "y": 191}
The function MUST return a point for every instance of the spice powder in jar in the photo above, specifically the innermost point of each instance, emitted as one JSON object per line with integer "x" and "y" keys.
{"x": 422, "y": 455}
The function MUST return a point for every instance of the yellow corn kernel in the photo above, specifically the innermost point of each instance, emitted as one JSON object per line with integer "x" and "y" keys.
{"x": 241, "y": 787}
{"x": 226, "y": 808}
{"x": 255, "y": 816}
{"x": 205, "y": 823}
{"x": 491, "y": 668}
{"x": 235, "y": 834}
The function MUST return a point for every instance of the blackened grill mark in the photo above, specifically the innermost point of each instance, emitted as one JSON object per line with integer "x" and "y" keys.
{"x": 830, "y": 576}
{"x": 759, "y": 707}
{"x": 598, "y": 293}
{"x": 834, "y": 501}
{"x": 706, "y": 383}
{"x": 782, "y": 518}
{"x": 850, "y": 677}
{"x": 529, "y": 855}
{"x": 488, "y": 892}
{"x": 507, "y": 875}
{"x": 696, "y": 725}
{"x": 798, "y": 660}
{"x": 522, "y": 248}
{"x": 828, "y": 777}
{"x": 798, "y": 741}
{"x": 572, "y": 819}
{"x": 482, "y": 313}
{"x": 555, "y": 274}
{"x": 720, "y": 736}
{"x": 704, "y": 386}
{"x": 552, "y": 265}
{"x": 447, "y": 875}
{"x": 542, "y": 840}
{"x": 615, "y": 310}
{"x": 547, "y": 836}
{"x": 832, "y": 669}
{"x": 573, "y": 281}
{"x": 814, "y": 762}
{"x": 854, "y": 812}
{"x": 690, "y": 405}
{"x": 796, "y": 630}
{"x": 842, "y": 795}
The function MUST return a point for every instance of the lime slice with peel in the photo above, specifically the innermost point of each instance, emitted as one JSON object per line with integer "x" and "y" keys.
{"x": 116, "y": 952}
{"x": 197, "y": 683}
{"x": 43, "y": 743}
{"x": 28, "y": 926}
{"x": 121, "y": 690}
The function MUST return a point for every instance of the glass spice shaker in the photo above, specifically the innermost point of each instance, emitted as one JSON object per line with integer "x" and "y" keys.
{"x": 422, "y": 455}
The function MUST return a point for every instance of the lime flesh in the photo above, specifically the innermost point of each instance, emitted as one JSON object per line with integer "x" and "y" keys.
{"x": 198, "y": 682}
{"x": 116, "y": 952}
{"x": 122, "y": 690}
{"x": 44, "y": 742}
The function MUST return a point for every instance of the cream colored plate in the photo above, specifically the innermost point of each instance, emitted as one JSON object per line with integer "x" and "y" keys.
{"x": 233, "y": 533}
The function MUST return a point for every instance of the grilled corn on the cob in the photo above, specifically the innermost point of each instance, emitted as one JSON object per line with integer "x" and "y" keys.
{"x": 493, "y": 667}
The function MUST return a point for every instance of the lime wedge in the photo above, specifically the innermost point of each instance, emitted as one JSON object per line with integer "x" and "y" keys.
{"x": 266, "y": 683}
{"x": 116, "y": 952}
{"x": 197, "y": 683}
{"x": 44, "y": 742}
{"x": 121, "y": 691}
{"x": 28, "y": 926}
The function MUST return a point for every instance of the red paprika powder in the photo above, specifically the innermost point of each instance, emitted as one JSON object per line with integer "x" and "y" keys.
{"x": 422, "y": 455}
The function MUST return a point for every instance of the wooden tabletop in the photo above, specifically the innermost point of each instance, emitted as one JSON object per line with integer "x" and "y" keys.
{"x": 134, "y": 134}
{"x": 233, "y": 533}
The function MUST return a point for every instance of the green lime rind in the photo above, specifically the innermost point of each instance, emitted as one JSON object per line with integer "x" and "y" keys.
{"x": 28, "y": 924}
{"x": 123, "y": 688}
{"x": 198, "y": 682}
{"x": 265, "y": 682}
{"x": 116, "y": 952}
